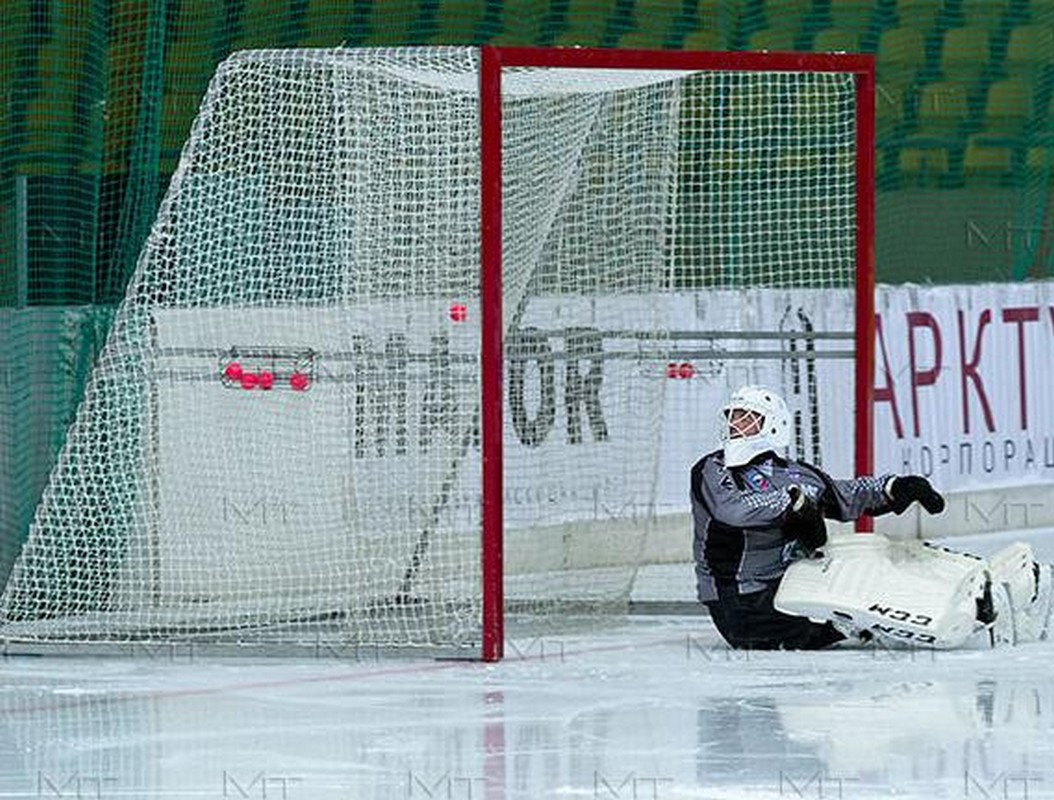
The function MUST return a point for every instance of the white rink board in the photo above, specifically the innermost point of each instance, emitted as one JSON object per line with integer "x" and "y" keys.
{"x": 295, "y": 487}
{"x": 555, "y": 479}
{"x": 282, "y": 504}
{"x": 365, "y": 453}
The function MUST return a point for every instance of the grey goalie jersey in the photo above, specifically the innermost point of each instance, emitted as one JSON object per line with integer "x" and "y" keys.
{"x": 739, "y": 514}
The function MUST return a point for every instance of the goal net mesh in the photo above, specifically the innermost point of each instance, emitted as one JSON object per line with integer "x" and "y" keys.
{"x": 280, "y": 440}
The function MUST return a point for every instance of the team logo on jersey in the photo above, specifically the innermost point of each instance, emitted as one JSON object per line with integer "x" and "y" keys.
{"x": 757, "y": 480}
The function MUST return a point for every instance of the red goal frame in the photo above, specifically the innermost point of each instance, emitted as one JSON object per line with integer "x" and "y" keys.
{"x": 493, "y": 61}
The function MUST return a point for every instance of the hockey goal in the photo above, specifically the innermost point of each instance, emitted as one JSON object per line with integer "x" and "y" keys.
{"x": 397, "y": 363}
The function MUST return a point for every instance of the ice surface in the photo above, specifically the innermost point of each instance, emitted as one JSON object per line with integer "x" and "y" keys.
{"x": 655, "y": 708}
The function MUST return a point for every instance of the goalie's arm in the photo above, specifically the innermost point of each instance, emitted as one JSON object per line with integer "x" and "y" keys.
{"x": 852, "y": 498}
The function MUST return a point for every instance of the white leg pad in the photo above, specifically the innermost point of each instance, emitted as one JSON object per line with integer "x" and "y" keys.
{"x": 902, "y": 592}
{"x": 1028, "y": 593}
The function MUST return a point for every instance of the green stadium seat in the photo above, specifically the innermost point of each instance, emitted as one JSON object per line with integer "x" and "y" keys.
{"x": 1040, "y": 12}
{"x": 123, "y": 66}
{"x": 723, "y": 15}
{"x": 837, "y": 40}
{"x": 927, "y": 156}
{"x": 791, "y": 14}
{"x": 326, "y": 23}
{"x": 922, "y": 15}
{"x": 943, "y": 109}
{"x": 49, "y": 122}
{"x": 50, "y": 117}
{"x": 751, "y": 101}
{"x": 12, "y": 36}
{"x": 844, "y": 161}
{"x": 189, "y": 64}
{"x": 900, "y": 56}
{"x": 644, "y": 39}
{"x": 396, "y": 22}
{"x": 721, "y": 18}
{"x": 201, "y": 20}
{"x": 965, "y": 54}
{"x": 774, "y": 25}
{"x": 586, "y": 23}
{"x": 729, "y": 166}
{"x": 523, "y": 22}
{"x": 1028, "y": 50}
{"x": 703, "y": 41}
{"x": 802, "y": 162}
{"x": 458, "y": 22}
{"x": 124, "y": 73}
{"x": 1009, "y": 107}
{"x": 773, "y": 39}
{"x": 63, "y": 54}
{"x": 989, "y": 160}
{"x": 814, "y": 106}
{"x": 988, "y": 14}
{"x": 654, "y": 26}
{"x": 925, "y": 165}
{"x": 853, "y": 15}
{"x": 264, "y": 23}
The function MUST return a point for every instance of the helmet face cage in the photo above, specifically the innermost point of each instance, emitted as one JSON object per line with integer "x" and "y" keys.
{"x": 754, "y": 421}
{"x": 742, "y": 423}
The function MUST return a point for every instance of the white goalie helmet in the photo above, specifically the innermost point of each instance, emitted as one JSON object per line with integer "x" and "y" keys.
{"x": 755, "y": 420}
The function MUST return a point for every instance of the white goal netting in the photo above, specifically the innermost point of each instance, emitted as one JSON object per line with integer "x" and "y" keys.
{"x": 280, "y": 440}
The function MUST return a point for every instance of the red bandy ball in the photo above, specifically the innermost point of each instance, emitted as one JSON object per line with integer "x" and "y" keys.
{"x": 298, "y": 381}
{"x": 233, "y": 371}
{"x": 458, "y": 312}
{"x": 265, "y": 380}
{"x": 249, "y": 380}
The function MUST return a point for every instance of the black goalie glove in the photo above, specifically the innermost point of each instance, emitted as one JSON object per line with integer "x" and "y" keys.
{"x": 805, "y": 521}
{"x": 904, "y": 490}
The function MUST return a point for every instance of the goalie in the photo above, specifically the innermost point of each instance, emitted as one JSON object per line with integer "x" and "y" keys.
{"x": 771, "y": 578}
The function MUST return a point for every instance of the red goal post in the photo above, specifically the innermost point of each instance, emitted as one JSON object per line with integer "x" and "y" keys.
{"x": 494, "y": 60}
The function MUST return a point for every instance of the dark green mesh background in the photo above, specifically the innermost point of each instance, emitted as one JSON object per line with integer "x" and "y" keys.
{"x": 97, "y": 96}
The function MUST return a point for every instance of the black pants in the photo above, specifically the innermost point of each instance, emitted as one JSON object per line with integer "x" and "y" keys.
{"x": 751, "y": 622}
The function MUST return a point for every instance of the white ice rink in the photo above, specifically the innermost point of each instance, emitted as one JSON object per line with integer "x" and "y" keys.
{"x": 654, "y": 709}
